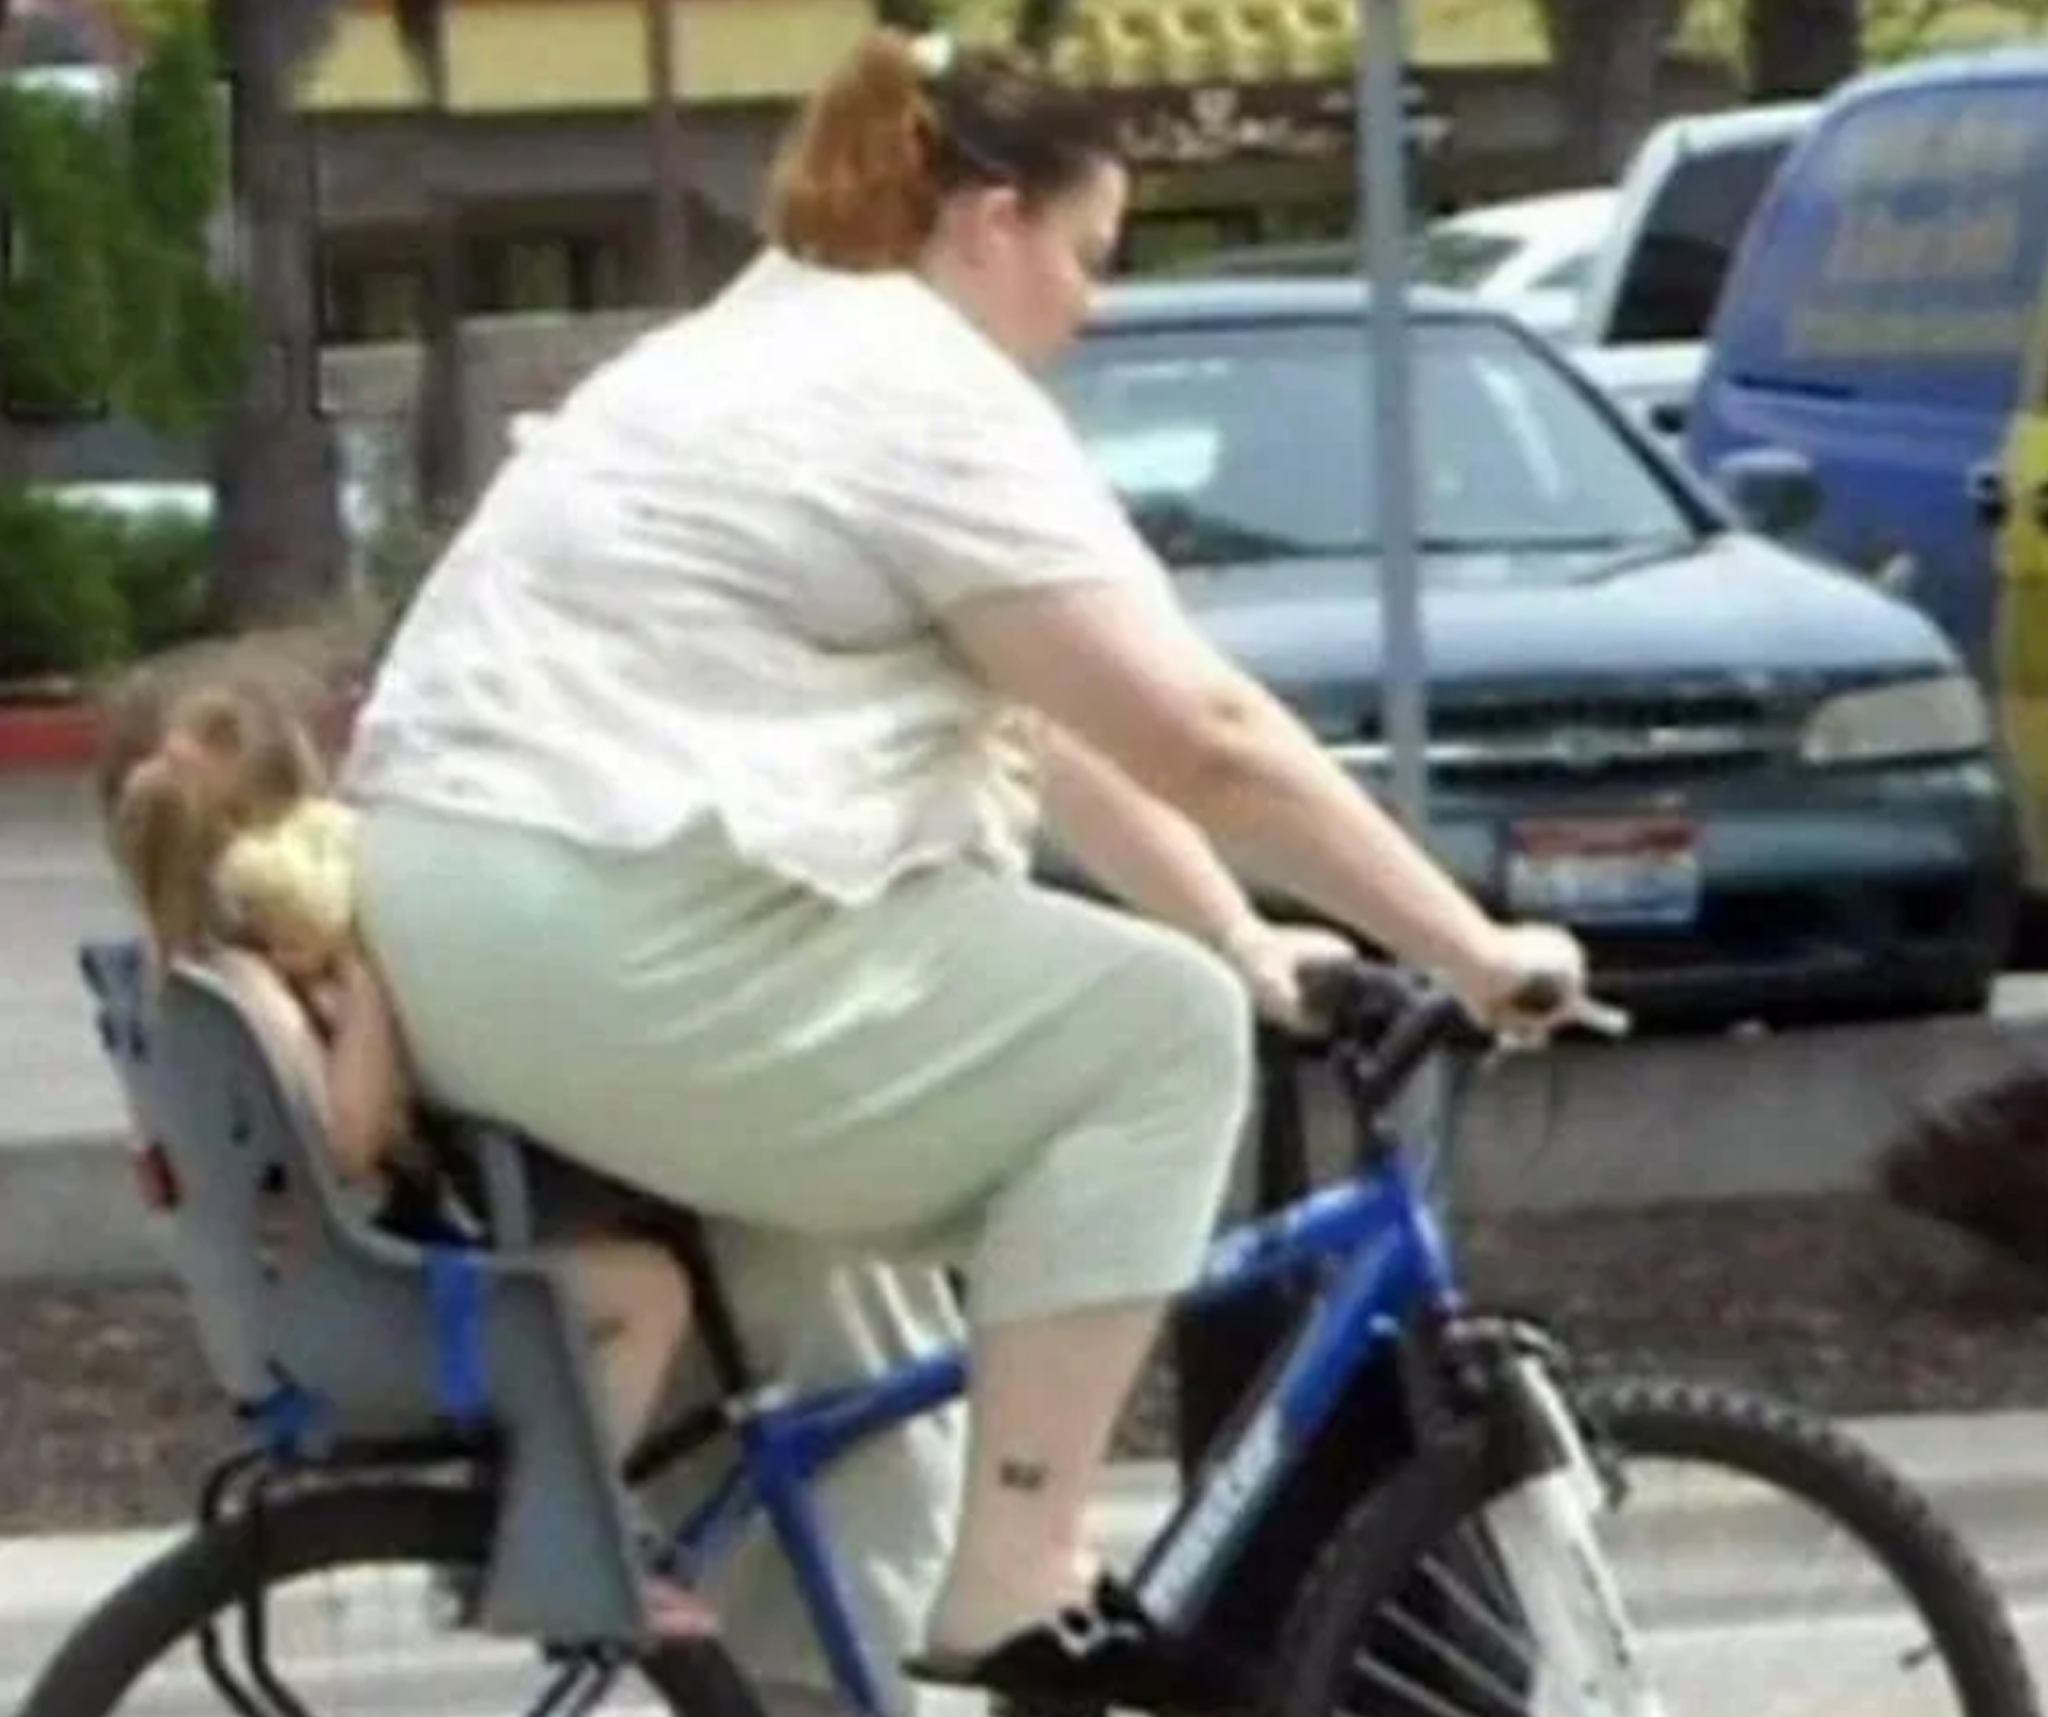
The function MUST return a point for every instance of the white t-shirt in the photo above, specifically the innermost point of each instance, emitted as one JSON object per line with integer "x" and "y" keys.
{"x": 710, "y": 583}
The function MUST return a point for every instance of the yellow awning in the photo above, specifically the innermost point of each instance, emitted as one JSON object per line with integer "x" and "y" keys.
{"x": 564, "y": 55}
{"x": 1136, "y": 42}
{"x": 552, "y": 56}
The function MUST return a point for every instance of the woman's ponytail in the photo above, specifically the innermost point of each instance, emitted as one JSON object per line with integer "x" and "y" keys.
{"x": 855, "y": 186}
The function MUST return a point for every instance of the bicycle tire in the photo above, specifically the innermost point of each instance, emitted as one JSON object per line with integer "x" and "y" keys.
{"x": 358, "y": 1525}
{"x": 1798, "y": 1453}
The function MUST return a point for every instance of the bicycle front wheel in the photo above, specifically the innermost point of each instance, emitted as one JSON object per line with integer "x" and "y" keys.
{"x": 344, "y": 1599}
{"x": 1737, "y": 1554}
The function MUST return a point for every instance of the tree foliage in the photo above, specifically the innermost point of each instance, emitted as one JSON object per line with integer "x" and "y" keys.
{"x": 109, "y": 301}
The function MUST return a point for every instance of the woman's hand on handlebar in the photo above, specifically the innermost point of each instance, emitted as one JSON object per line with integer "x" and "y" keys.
{"x": 1272, "y": 959}
{"x": 1533, "y": 985}
{"x": 1530, "y": 983}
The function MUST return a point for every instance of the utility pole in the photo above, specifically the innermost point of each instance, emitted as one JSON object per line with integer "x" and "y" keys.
{"x": 668, "y": 155}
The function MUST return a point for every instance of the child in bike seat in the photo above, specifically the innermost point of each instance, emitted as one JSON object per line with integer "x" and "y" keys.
{"x": 221, "y": 823}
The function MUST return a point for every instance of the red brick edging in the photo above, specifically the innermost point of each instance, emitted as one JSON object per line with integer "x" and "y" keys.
{"x": 47, "y": 736}
{"x": 64, "y": 735}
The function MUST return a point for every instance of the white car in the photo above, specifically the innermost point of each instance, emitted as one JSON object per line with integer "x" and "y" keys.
{"x": 1531, "y": 256}
{"x": 1642, "y": 321}
{"x": 1625, "y": 280}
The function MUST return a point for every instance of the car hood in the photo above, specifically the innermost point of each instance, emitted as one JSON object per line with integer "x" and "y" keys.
{"x": 1731, "y": 610}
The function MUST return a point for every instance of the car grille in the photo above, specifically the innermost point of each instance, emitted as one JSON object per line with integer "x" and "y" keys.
{"x": 1672, "y": 735}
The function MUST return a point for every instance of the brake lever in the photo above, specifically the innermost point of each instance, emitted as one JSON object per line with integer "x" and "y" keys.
{"x": 1602, "y": 1019}
{"x": 1595, "y": 1018}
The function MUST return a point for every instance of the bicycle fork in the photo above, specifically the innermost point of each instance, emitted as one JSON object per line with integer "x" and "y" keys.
{"x": 1588, "y": 1658}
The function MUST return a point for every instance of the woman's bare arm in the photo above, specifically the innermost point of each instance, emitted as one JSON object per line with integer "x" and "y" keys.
{"x": 1138, "y": 847}
{"x": 1132, "y": 678}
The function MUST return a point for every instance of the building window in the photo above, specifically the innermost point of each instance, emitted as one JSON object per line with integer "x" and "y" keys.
{"x": 566, "y": 273}
{"x": 369, "y": 301}
{"x": 600, "y": 273}
{"x": 384, "y": 298}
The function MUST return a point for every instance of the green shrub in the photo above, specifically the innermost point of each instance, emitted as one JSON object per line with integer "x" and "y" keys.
{"x": 82, "y": 590}
{"x": 161, "y": 564}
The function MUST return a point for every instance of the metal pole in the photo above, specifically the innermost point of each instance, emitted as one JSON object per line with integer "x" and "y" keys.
{"x": 1381, "y": 139}
{"x": 668, "y": 155}
{"x": 1383, "y": 178}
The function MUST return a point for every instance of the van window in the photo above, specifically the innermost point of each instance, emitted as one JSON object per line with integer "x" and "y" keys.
{"x": 1688, "y": 239}
{"x": 1901, "y": 254}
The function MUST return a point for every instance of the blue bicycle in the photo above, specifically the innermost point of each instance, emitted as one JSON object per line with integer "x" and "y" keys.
{"x": 1413, "y": 1511}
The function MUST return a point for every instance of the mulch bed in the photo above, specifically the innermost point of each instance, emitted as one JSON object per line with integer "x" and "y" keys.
{"x": 106, "y": 1418}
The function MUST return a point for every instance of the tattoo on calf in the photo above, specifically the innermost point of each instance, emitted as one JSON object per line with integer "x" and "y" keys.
{"x": 1014, "y": 1474}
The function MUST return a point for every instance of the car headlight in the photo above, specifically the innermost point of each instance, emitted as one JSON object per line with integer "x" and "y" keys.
{"x": 1939, "y": 717}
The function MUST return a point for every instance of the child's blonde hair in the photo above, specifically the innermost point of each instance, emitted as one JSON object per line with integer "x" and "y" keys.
{"x": 223, "y": 760}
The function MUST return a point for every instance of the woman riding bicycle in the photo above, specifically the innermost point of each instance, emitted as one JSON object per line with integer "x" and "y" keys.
{"x": 700, "y": 778}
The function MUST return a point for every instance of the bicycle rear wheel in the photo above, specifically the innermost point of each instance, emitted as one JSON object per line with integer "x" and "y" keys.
{"x": 1443, "y": 1595}
{"x": 236, "y": 1590}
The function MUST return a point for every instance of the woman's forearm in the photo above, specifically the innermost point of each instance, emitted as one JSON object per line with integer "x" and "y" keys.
{"x": 1138, "y": 847}
{"x": 1134, "y": 680}
{"x": 1292, "y": 812}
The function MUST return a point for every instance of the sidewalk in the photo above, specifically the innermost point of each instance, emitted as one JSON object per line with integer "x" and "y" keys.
{"x": 56, "y": 888}
{"x": 65, "y": 1204}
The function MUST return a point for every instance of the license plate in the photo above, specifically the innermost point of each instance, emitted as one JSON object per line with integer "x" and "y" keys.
{"x": 1617, "y": 872}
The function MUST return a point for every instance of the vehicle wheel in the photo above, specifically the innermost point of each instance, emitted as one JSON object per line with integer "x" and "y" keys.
{"x": 1369, "y": 1633}
{"x": 232, "y": 1573}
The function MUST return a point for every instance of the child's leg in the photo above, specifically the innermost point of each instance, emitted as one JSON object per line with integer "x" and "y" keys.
{"x": 638, "y": 1305}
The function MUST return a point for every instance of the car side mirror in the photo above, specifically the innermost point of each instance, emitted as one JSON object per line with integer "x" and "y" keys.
{"x": 1772, "y": 489}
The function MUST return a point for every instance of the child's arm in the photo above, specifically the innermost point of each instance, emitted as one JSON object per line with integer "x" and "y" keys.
{"x": 368, "y": 1087}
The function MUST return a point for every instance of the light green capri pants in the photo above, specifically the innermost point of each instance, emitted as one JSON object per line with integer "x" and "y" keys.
{"x": 1047, "y": 1090}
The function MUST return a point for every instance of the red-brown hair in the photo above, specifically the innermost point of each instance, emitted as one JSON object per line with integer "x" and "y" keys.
{"x": 859, "y": 179}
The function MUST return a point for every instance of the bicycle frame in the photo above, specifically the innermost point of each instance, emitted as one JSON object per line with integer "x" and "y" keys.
{"x": 1391, "y": 1258}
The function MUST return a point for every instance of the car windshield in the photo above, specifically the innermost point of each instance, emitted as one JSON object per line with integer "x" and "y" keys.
{"x": 1462, "y": 256}
{"x": 1241, "y": 442}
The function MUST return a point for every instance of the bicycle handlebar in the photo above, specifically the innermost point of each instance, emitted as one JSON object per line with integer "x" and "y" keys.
{"x": 1393, "y": 1021}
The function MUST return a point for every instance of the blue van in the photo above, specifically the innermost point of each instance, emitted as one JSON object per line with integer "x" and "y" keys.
{"x": 1879, "y": 324}
{"x": 1877, "y": 319}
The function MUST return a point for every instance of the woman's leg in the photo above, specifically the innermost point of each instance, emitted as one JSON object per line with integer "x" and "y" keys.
{"x": 1049, "y": 1379}
{"x": 1044, "y": 1401}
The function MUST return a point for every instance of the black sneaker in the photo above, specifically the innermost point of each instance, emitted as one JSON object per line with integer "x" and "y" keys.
{"x": 1104, "y": 1654}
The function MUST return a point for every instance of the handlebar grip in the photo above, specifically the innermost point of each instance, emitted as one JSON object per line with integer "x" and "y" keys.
{"x": 1539, "y": 993}
{"x": 1356, "y": 999}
